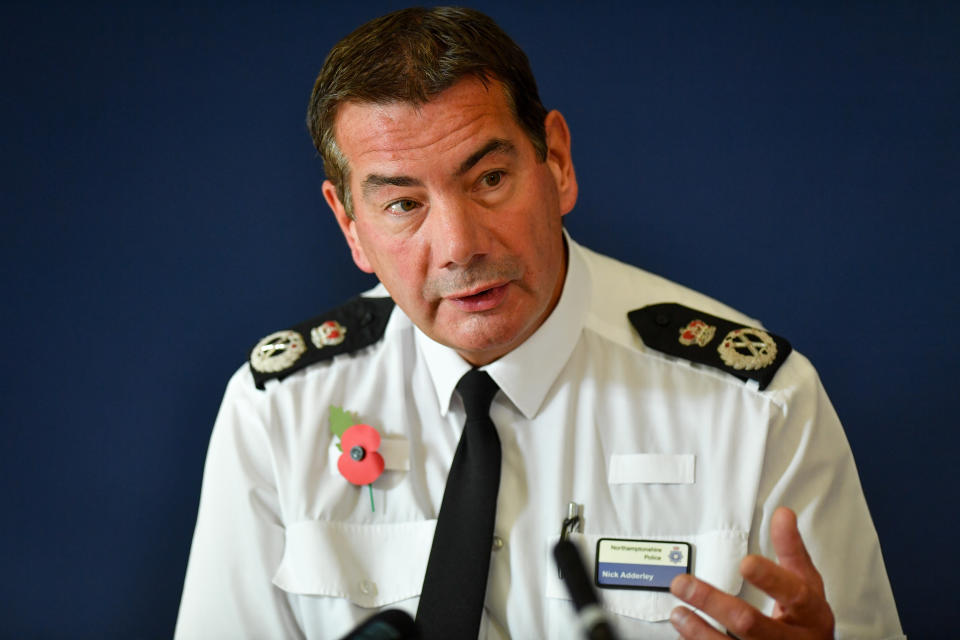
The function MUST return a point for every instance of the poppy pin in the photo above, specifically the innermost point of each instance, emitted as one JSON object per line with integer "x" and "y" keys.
{"x": 359, "y": 463}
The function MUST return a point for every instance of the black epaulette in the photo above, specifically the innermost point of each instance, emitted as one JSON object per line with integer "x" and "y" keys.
{"x": 355, "y": 325}
{"x": 746, "y": 352}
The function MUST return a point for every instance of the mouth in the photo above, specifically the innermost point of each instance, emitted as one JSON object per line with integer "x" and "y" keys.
{"x": 480, "y": 299}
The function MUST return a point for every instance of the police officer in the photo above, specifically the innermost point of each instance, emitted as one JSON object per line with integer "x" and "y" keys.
{"x": 690, "y": 453}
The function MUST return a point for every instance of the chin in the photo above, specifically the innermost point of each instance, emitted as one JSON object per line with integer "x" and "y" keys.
{"x": 479, "y": 353}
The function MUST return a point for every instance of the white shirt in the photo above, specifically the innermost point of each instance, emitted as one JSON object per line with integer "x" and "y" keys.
{"x": 285, "y": 547}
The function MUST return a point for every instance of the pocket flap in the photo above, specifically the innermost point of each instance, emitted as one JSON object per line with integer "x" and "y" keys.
{"x": 716, "y": 559}
{"x": 371, "y": 565}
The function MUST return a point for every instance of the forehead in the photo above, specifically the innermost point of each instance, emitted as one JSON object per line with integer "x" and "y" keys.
{"x": 379, "y": 135}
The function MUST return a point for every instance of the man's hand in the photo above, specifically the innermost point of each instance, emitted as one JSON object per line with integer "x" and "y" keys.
{"x": 801, "y": 609}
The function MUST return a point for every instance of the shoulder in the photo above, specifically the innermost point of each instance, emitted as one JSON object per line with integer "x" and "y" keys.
{"x": 743, "y": 351}
{"x": 354, "y": 325}
{"x": 653, "y": 315}
{"x": 619, "y": 287}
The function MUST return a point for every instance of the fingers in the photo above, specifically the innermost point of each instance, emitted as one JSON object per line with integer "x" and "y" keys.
{"x": 733, "y": 613}
{"x": 792, "y": 554}
{"x": 691, "y": 626}
{"x": 777, "y": 582}
{"x": 788, "y": 545}
{"x": 797, "y": 598}
{"x": 801, "y": 609}
{"x": 795, "y": 584}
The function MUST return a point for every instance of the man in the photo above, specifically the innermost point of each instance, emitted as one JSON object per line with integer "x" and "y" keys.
{"x": 327, "y": 475}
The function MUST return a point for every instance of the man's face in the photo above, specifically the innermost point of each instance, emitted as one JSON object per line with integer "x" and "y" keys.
{"x": 456, "y": 215}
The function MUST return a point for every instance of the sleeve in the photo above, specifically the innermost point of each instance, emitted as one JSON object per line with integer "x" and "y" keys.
{"x": 809, "y": 467}
{"x": 239, "y": 538}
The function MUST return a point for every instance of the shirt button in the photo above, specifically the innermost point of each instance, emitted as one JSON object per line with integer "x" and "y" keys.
{"x": 497, "y": 543}
{"x": 662, "y": 319}
{"x": 368, "y": 588}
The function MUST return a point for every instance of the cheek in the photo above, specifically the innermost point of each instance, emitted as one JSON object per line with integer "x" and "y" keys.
{"x": 543, "y": 224}
{"x": 399, "y": 264}
{"x": 377, "y": 246}
{"x": 542, "y": 235}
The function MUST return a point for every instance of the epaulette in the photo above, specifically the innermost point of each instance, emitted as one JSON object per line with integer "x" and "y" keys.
{"x": 746, "y": 352}
{"x": 352, "y": 326}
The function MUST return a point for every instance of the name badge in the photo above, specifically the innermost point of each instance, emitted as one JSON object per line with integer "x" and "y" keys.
{"x": 640, "y": 564}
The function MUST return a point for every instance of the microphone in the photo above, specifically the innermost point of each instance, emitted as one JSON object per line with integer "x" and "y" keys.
{"x": 390, "y": 624}
{"x": 589, "y": 612}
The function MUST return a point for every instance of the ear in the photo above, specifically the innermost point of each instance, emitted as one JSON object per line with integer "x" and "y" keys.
{"x": 348, "y": 226}
{"x": 560, "y": 160}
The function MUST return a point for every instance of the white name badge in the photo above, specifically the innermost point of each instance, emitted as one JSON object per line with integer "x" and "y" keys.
{"x": 640, "y": 564}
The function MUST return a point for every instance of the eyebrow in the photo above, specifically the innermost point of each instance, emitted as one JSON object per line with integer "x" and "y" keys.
{"x": 497, "y": 145}
{"x": 374, "y": 181}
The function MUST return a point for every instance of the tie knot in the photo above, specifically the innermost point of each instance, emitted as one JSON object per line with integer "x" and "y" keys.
{"x": 477, "y": 389}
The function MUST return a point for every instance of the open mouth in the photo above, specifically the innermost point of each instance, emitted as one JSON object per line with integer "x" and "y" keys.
{"x": 480, "y": 294}
{"x": 481, "y": 300}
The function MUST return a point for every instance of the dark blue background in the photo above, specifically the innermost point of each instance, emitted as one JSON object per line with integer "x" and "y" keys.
{"x": 161, "y": 211}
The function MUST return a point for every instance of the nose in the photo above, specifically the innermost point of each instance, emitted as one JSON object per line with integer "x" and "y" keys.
{"x": 459, "y": 232}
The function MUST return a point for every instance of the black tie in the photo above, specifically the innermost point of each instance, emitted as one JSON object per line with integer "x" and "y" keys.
{"x": 451, "y": 602}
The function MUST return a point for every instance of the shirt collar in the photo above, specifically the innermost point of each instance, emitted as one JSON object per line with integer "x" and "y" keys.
{"x": 525, "y": 374}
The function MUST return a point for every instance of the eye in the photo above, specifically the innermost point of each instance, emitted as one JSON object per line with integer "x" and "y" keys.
{"x": 492, "y": 179}
{"x": 402, "y": 206}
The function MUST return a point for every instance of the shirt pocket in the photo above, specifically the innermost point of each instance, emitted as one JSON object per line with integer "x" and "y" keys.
{"x": 370, "y": 565}
{"x": 716, "y": 557}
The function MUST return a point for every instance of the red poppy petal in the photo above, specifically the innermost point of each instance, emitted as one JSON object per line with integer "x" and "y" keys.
{"x": 360, "y": 434}
{"x": 360, "y": 472}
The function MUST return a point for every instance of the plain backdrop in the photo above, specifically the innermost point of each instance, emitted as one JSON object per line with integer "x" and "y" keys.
{"x": 161, "y": 211}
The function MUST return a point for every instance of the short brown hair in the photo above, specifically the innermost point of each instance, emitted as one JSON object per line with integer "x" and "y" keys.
{"x": 410, "y": 56}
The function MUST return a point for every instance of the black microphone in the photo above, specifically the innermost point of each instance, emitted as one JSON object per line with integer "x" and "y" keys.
{"x": 589, "y": 612}
{"x": 390, "y": 624}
